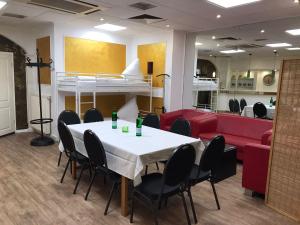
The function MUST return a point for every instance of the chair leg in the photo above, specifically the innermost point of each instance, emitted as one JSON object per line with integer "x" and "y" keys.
{"x": 76, "y": 186}
{"x": 185, "y": 209}
{"x": 63, "y": 176}
{"x": 132, "y": 207}
{"x": 90, "y": 186}
{"x": 110, "y": 197}
{"x": 192, "y": 205}
{"x": 146, "y": 170}
{"x": 155, "y": 210}
{"x": 215, "y": 194}
{"x": 157, "y": 167}
{"x": 59, "y": 158}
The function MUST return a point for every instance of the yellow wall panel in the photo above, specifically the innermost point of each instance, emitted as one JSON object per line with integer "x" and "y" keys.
{"x": 88, "y": 56}
{"x": 43, "y": 44}
{"x": 143, "y": 103}
{"x": 155, "y": 53}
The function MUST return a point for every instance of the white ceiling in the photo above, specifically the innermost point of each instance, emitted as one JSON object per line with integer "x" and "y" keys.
{"x": 274, "y": 33}
{"x": 189, "y": 15}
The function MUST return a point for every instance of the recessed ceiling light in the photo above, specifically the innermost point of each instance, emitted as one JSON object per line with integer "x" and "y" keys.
{"x": 2, "y": 4}
{"x": 210, "y": 55}
{"x": 294, "y": 49}
{"x": 293, "y": 32}
{"x": 198, "y": 43}
{"x": 231, "y": 3}
{"x": 213, "y": 37}
{"x": 101, "y": 19}
{"x": 262, "y": 31}
{"x": 218, "y": 45}
{"x": 167, "y": 25}
{"x": 296, "y": 1}
{"x": 278, "y": 45}
{"x": 219, "y": 16}
{"x": 110, "y": 27}
{"x": 232, "y": 51}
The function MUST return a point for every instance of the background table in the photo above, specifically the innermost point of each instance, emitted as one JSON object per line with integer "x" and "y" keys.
{"x": 128, "y": 154}
{"x": 248, "y": 111}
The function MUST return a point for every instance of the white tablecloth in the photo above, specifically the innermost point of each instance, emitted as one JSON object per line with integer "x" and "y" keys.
{"x": 128, "y": 154}
{"x": 248, "y": 111}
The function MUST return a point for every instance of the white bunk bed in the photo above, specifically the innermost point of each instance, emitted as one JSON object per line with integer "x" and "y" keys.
{"x": 80, "y": 84}
{"x": 206, "y": 85}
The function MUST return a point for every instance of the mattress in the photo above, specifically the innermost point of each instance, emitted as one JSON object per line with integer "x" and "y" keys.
{"x": 202, "y": 84}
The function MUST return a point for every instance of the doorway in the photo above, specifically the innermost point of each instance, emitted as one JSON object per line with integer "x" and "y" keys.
{"x": 7, "y": 94}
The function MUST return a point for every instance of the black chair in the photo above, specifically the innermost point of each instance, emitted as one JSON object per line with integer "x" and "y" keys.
{"x": 243, "y": 103}
{"x": 210, "y": 158}
{"x": 151, "y": 120}
{"x": 157, "y": 187}
{"x": 259, "y": 110}
{"x": 274, "y": 103}
{"x": 98, "y": 163}
{"x": 236, "y": 106}
{"x": 92, "y": 115}
{"x": 181, "y": 126}
{"x": 231, "y": 105}
{"x": 68, "y": 117}
{"x": 70, "y": 151}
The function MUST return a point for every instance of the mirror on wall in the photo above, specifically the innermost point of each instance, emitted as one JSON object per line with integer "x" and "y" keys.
{"x": 242, "y": 62}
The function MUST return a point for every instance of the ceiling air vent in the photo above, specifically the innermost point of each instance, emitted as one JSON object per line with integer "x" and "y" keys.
{"x": 142, "y": 6}
{"x": 244, "y": 46}
{"x": 18, "y": 16}
{"x": 228, "y": 39}
{"x": 261, "y": 39}
{"x": 146, "y": 19}
{"x": 69, "y": 6}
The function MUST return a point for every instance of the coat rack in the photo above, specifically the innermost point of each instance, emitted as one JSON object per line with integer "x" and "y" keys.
{"x": 42, "y": 140}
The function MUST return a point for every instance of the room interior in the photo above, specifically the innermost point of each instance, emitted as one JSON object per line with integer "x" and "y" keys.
{"x": 144, "y": 83}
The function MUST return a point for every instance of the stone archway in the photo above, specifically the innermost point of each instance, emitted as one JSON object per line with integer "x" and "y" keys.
{"x": 7, "y": 45}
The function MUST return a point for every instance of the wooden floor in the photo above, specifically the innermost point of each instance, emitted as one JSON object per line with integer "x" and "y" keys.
{"x": 30, "y": 193}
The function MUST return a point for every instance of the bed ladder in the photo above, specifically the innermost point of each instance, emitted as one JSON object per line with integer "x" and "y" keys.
{"x": 79, "y": 102}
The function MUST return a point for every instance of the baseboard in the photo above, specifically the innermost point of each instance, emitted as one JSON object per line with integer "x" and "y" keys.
{"x": 24, "y": 130}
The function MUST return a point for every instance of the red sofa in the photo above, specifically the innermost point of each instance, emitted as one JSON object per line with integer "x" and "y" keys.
{"x": 167, "y": 119}
{"x": 255, "y": 167}
{"x": 237, "y": 130}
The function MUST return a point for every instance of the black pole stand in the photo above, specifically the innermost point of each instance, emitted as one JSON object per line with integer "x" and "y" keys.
{"x": 42, "y": 140}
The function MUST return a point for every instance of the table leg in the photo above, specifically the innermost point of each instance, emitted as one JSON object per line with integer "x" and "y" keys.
{"x": 124, "y": 196}
{"x": 74, "y": 165}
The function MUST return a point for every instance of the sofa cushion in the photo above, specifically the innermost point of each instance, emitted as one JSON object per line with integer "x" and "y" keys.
{"x": 243, "y": 126}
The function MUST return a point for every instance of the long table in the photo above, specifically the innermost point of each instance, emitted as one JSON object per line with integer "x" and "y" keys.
{"x": 128, "y": 154}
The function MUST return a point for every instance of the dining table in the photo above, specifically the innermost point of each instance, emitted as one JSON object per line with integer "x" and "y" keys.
{"x": 128, "y": 154}
{"x": 248, "y": 111}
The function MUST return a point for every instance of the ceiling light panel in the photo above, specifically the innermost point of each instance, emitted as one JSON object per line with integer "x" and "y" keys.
{"x": 2, "y": 4}
{"x": 232, "y": 51}
{"x": 110, "y": 27}
{"x": 294, "y": 49}
{"x": 232, "y": 3}
{"x": 294, "y": 32}
{"x": 279, "y": 45}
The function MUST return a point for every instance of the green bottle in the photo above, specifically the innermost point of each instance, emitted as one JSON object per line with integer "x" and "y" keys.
{"x": 114, "y": 118}
{"x": 139, "y": 122}
{"x": 271, "y": 102}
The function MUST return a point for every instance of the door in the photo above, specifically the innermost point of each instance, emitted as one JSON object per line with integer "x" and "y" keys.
{"x": 7, "y": 94}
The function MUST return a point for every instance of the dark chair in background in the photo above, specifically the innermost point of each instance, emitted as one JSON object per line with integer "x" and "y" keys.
{"x": 274, "y": 103}
{"x": 151, "y": 120}
{"x": 243, "y": 103}
{"x": 92, "y": 115}
{"x": 98, "y": 163}
{"x": 231, "y": 105}
{"x": 259, "y": 110}
{"x": 236, "y": 106}
{"x": 68, "y": 117}
{"x": 209, "y": 161}
{"x": 70, "y": 151}
{"x": 156, "y": 188}
{"x": 181, "y": 126}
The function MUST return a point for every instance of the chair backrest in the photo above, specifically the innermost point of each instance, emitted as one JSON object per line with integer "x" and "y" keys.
{"x": 236, "y": 107}
{"x": 94, "y": 149}
{"x": 69, "y": 117}
{"x": 66, "y": 138}
{"x": 212, "y": 154}
{"x": 243, "y": 103}
{"x": 231, "y": 105}
{"x": 181, "y": 126}
{"x": 92, "y": 115}
{"x": 259, "y": 110}
{"x": 179, "y": 165}
{"x": 151, "y": 120}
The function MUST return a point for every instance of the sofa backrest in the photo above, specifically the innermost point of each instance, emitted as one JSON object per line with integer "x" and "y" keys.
{"x": 191, "y": 113}
{"x": 243, "y": 126}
